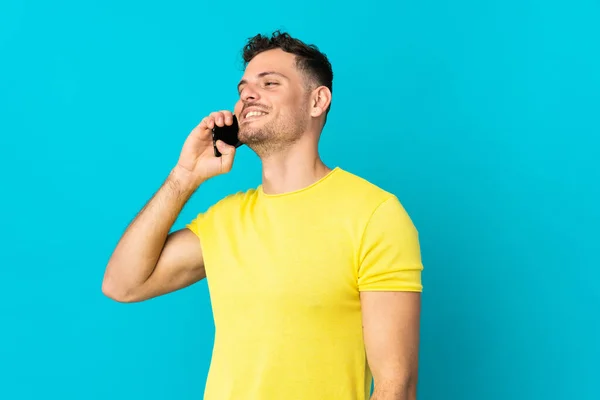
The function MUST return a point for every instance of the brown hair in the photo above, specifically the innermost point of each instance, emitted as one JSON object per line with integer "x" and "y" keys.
{"x": 309, "y": 59}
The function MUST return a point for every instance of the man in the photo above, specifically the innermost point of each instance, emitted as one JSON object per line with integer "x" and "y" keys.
{"x": 314, "y": 276}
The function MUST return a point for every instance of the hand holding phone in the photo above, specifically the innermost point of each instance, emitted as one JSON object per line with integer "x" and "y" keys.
{"x": 197, "y": 161}
{"x": 226, "y": 133}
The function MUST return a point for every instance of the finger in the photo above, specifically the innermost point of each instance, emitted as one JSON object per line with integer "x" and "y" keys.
{"x": 228, "y": 117}
{"x": 224, "y": 148}
{"x": 227, "y": 155}
{"x": 201, "y": 127}
{"x": 209, "y": 122}
{"x": 219, "y": 118}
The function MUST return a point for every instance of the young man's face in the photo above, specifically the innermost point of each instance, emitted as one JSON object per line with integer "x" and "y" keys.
{"x": 273, "y": 108}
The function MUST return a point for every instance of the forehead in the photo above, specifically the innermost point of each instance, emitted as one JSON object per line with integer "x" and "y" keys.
{"x": 275, "y": 60}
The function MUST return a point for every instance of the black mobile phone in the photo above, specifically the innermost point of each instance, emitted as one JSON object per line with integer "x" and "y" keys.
{"x": 228, "y": 134}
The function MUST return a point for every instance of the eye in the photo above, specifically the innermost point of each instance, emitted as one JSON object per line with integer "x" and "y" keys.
{"x": 270, "y": 83}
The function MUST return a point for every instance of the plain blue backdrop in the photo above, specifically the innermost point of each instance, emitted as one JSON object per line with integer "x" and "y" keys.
{"x": 482, "y": 116}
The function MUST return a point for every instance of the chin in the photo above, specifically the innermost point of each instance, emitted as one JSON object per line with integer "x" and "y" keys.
{"x": 249, "y": 136}
{"x": 254, "y": 132}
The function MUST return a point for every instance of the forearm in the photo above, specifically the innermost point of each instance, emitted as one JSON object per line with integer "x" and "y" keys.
{"x": 139, "y": 248}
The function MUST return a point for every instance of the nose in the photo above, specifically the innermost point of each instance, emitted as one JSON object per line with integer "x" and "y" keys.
{"x": 248, "y": 93}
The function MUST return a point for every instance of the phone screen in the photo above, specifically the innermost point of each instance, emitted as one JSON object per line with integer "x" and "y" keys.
{"x": 228, "y": 134}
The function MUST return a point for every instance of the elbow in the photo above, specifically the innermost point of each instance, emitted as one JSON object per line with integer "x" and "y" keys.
{"x": 397, "y": 386}
{"x": 114, "y": 292}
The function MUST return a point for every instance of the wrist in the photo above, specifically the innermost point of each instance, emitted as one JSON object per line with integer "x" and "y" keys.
{"x": 184, "y": 180}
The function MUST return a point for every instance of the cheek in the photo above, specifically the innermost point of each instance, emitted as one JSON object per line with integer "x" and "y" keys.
{"x": 291, "y": 104}
{"x": 237, "y": 108}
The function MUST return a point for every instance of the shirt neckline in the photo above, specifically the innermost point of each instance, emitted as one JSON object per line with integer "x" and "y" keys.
{"x": 298, "y": 191}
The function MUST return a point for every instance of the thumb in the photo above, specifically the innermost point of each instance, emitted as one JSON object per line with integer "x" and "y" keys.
{"x": 227, "y": 153}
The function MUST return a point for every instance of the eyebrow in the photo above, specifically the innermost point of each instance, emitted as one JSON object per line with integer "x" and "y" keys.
{"x": 262, "y": 74}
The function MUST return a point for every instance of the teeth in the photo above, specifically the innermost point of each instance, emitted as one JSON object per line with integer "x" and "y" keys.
{"x": 254, "y": 114}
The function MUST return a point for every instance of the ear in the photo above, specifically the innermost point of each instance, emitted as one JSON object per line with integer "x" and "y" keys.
{"x": 320, "y": 101}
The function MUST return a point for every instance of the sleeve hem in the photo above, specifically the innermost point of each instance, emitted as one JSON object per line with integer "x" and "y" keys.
{"x": 390, "y": 289}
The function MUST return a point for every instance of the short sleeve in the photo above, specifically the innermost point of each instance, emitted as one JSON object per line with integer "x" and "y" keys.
{"x": 204, "y": 221}
{"x": 195, "y": 224}
{"x": 389, "y": 255}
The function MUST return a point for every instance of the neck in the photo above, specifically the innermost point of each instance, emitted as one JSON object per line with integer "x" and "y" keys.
{"x": 292, "y": 169}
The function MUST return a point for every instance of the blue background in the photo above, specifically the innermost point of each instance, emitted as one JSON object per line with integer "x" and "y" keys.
{"x": 482, "y": 116}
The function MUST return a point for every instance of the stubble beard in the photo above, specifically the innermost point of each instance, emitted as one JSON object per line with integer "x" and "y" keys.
{"x": 274, "y": 136}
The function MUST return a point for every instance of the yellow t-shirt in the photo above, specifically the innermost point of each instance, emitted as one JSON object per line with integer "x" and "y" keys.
{"x": 284, "y": 274}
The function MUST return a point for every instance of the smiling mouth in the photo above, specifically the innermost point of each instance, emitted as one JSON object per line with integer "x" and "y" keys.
{"x": 252, "y": 115}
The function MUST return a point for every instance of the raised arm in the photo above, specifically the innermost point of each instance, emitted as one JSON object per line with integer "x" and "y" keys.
{"x": 148, "y": 261}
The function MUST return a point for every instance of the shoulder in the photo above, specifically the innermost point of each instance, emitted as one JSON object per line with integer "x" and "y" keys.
{"x": 353, "y": 181}
{"x": 236, "y": 198}
{"x": 228, "y": 207}
{"x": 362, "y": 192}
{"x": 388, "y": 250}
{"x": 377, "y": 206}
{"x": 232, "y": 202}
